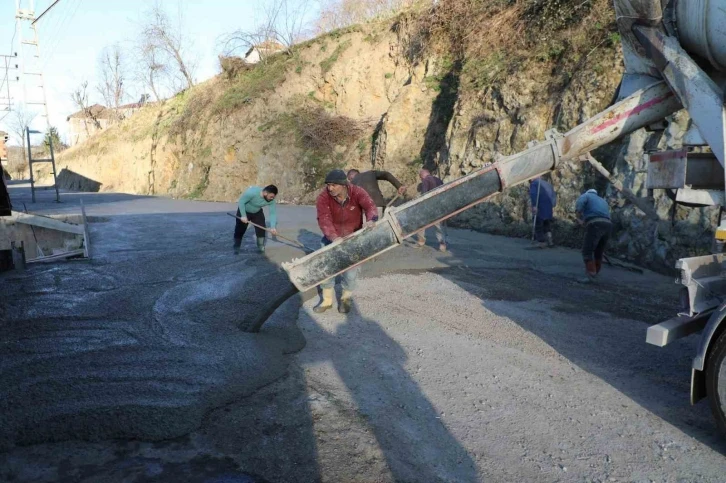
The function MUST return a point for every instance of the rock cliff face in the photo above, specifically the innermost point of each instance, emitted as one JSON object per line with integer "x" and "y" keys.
{"x": 357, "y": 99}
{"x": 502, "y": 119}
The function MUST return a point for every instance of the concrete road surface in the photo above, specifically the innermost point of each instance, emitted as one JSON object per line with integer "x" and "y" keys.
{"x": 488, "y": 363}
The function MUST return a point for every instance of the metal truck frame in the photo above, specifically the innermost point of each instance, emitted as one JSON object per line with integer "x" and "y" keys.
{"x": 675, "y": 58}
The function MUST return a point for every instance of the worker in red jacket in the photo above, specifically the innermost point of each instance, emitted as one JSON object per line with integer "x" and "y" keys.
{"x": 340, "y": 207}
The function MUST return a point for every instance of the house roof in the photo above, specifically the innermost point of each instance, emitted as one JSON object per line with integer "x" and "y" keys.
{"x": 267, "y": 45}
{"x": 97, "y": 110}
{"x": 133, "y": 105}
{"x": 103, "y": 112}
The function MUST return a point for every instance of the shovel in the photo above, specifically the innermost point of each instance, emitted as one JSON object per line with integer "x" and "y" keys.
{"x": 295, "y": 242}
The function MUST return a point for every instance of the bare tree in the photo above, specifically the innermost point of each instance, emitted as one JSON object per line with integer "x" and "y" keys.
{"x": 18, "y": 167}
{"x": 167, "y": 38}
{"x": 112, "y": 76}
{"x": 151, "y": 68}
{"x": 282, "y": 22}
{"x": 80, "y": 99}
{"x": 19, "y": 122}
{"x": 262, "y": 33}
{"x": 292, "y": 23}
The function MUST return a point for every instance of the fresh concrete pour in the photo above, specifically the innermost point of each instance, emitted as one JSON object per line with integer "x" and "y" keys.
{"x": 140, "y": 342}
{"x": 487, "y": 363}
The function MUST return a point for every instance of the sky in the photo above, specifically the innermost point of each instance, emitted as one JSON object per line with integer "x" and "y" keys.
{"x": 73, "y": 34}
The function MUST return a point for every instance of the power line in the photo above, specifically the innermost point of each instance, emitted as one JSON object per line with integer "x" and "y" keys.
{"x": 54, "y": 30}
{"x": 67, "y": 19}
{"x": 12, "y": 42}
{"x": 7, "y": 72}
{"x": 44, "y": 12}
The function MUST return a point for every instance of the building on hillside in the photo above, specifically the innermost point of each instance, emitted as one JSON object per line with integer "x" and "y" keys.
{"x": 84, "y": 125}
{"x": 125, "y": 111}
{"x": 258, "y": 52}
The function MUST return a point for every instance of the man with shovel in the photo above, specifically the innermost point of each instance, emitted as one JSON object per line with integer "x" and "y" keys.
{"x": 593, "y": 212}
{"x": 543, "y": 199}
{"x": 368, "y": 180}
{"x": 250, "y": 209}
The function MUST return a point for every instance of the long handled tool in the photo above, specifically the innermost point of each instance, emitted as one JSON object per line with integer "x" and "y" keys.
{"x": 297, "y": 243}
{"x": 536, "y": 212}
{"x": 617, "y": 264}
{"x": 398, "y": 195}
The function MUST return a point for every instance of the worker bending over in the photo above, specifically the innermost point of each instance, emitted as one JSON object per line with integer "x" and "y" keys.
{"x": 368, "y": 180}
{"x": 429, "y": 182}
{"x": 594, "y": 213}
{"x": 250, "y": 209}
{"x": 543, "y": 200}
{"x": 340, "y": 208}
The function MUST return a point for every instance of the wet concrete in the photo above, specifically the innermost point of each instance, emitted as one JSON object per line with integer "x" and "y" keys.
{"x": 144, "y": 339}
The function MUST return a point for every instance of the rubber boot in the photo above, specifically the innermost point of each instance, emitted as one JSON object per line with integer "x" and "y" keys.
{"x": 261, "y": 244}
{"x": 550, "y": 243}
{"x": 346, "y": 302}
{"x": 236, "y": 246}
{"x": 327, "y": 302}
{"x": 590, "y": 273}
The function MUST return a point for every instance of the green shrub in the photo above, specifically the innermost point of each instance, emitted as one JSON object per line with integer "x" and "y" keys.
{"x": 201, "y": 187}
{"x": 482, "y": 72}
{"x": 251, "y": 84}
{"x": 328, "y": 63}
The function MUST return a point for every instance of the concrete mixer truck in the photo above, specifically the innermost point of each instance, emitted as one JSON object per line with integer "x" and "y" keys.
{"x": 675, "y": 58}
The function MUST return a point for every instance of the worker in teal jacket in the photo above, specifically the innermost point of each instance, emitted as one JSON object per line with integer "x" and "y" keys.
{"x": 250, "y": 209}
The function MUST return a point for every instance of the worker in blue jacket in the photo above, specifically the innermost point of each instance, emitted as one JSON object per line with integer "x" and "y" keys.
{"x": 593, "y": 212}
{"x": 543, "y": 198}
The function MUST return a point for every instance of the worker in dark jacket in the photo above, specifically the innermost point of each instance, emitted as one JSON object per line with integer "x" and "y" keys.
{"x": 594, "y": 213}
{"x": 428, "y": 183}
{"x": 543, "y": 199}
{"x": 340, "y": 207}
{"x": 368, "y": 180}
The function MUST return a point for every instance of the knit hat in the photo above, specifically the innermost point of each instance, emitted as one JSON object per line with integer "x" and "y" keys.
{"x": 336, "y": 176}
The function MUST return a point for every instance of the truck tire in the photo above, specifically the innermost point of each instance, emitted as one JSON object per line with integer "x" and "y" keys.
{"x": 716, "y": 380}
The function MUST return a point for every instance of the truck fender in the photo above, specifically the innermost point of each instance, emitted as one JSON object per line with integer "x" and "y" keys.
{"x": 709, "y": 334}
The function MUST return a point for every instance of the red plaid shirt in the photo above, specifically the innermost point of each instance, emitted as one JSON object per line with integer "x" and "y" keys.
{"x": 339, "y": 220}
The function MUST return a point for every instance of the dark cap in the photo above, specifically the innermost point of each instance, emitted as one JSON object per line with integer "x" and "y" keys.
{"x": 336, "y": 176}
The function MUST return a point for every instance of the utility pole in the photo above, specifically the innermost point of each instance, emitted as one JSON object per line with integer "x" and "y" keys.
{"x": 31, "y": 65}
{"x": 31, "y": 69}
{"x": 9, "y": 63}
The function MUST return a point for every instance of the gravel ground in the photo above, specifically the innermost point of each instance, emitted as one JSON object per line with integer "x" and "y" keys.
{"x": 462, "y": 388}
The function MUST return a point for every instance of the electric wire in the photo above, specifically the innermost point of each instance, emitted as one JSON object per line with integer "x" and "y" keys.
{"x": 7, "y": 72}
{"x": 66, "y": 20}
